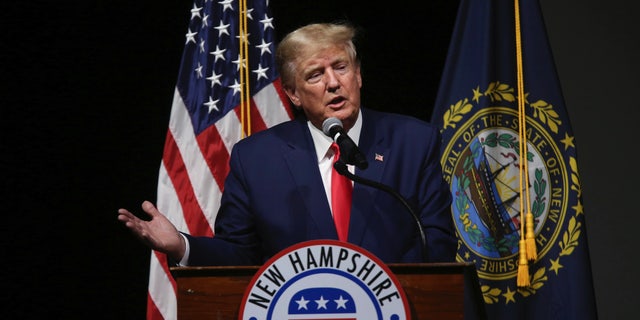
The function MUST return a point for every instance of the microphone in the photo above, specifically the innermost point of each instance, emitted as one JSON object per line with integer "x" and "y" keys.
{"x": 332, "y": 127}
{"x": 350, "y": 154}
{"x": 341, "y": 167}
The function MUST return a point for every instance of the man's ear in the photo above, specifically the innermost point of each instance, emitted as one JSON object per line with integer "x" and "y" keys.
{"x": 292, "y": 96}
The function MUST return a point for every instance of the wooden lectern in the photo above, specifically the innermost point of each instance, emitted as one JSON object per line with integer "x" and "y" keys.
{"x": 435, "y": 290}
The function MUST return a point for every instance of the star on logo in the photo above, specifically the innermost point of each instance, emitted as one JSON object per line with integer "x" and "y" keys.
{"x": 341, "y": 303}
{"x": 302, "y": 303}
{"x": 322, "y": 303}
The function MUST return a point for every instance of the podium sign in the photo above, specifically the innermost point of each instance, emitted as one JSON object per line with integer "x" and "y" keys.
{"x": 427, "y": 290}
{"x": 324, "y": 279}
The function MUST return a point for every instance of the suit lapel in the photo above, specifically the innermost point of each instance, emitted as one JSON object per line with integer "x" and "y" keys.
{"x": 303, "y": 166}
{"x": 375, "y": 148}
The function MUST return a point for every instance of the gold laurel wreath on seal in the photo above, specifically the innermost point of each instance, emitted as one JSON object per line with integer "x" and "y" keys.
{"x": 544, "y": 112}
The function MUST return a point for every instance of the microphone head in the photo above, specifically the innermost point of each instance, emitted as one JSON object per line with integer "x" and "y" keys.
{"x": 330, "y": 123}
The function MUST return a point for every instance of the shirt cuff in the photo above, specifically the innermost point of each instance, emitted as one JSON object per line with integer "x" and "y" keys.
{"x": 185, "y": 258}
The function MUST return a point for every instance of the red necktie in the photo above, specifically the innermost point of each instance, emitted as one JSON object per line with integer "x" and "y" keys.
{"x": 341, "y": 189}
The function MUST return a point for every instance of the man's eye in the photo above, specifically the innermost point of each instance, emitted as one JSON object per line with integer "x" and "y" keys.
{"x": 314, "y": 77}
{"x": 341, "y": 68}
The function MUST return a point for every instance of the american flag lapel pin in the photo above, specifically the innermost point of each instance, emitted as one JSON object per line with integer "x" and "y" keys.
{"x": 379, "y": 157}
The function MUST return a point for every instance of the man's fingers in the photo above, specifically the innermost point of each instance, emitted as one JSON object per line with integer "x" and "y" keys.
{"x": 150, "y": 209}
{"x": 125, "y": 215}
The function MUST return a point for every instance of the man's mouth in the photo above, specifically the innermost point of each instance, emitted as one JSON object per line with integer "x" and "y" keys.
{"x": 336, "y": 102}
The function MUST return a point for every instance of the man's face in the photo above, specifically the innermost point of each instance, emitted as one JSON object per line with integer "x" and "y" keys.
{"x": 327, "y": 84}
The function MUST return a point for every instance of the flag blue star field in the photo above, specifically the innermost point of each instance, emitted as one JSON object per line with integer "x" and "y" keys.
{"x": 227, "y": 88}
{"x": 499, "y": 63}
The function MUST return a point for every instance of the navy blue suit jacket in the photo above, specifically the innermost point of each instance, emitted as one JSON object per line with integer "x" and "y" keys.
{"x": 274, "y": 196}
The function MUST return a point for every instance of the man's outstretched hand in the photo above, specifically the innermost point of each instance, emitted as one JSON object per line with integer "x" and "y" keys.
{"x": 158, "y": 233}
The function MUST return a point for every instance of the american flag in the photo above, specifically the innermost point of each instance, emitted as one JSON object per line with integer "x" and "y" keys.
{"x": 229, "y": 47}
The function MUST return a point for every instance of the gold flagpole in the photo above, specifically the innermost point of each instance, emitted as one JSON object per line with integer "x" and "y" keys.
{"x": 245, "y": 101}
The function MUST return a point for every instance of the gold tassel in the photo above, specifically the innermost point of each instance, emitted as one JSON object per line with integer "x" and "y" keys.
{"x": 523, "y": 267}
{"x": 532, "y": 253}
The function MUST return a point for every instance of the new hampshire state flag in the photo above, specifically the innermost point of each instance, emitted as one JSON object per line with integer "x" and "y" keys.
{"x": 500, "y": 70}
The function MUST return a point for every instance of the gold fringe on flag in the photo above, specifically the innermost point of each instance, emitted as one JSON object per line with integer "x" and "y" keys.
{"x": 532, "y": 253}
{"x": 527, "y": 239}
{"x": 523, "y": 267}
{"x": 245, "y": 95}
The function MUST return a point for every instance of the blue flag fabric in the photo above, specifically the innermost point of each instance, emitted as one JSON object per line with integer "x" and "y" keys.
{"x": 477, "y": 111}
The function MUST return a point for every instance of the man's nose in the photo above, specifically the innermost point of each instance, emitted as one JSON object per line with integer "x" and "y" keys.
{"x": 332, "y": 81}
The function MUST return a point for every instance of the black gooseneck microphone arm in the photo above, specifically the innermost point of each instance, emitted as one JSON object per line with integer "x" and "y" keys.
{"x": 341, "y": 167}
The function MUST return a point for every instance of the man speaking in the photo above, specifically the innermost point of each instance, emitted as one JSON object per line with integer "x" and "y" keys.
{"x": 282, "y": 188}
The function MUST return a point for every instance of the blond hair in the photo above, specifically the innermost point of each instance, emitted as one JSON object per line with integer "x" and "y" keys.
{"x": 305, "y": 41}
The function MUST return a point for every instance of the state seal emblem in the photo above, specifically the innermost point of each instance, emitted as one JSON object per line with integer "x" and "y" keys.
{"x": 482, "y": 163}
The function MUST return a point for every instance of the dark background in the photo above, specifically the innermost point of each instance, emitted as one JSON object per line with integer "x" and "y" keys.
{"x": 85, "y": 98}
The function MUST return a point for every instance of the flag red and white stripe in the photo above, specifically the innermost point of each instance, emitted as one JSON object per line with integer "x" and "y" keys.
{"x": 207, "y": 120}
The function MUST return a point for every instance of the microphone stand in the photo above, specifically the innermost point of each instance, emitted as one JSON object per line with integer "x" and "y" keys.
{"x": 341, "y": 167}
